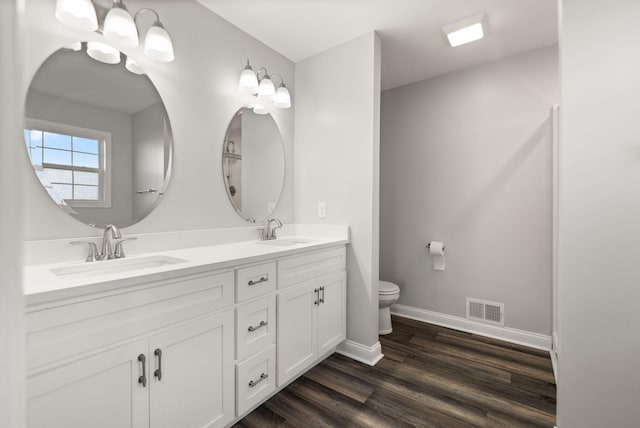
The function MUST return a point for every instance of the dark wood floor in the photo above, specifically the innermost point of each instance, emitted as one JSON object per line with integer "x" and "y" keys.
{"x": 430, "y": 377}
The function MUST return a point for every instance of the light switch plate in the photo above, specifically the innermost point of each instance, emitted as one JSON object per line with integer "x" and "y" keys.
{"x": 322, "y": 210}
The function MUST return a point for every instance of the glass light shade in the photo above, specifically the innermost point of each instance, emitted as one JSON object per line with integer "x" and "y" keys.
{"x": 266, "y": 90}
{"x": 282, "y": 98}
{"x": 248, "y": 82}
{"x": 79, "y": 15}
{"x": 103, "y": 52}
{"x": 133, "y": 66}
{"x": 75, "y": 46}
{"x": 259, "y": 109}
{"x": 158, "y": 45}
{"x": 120, "y": 28}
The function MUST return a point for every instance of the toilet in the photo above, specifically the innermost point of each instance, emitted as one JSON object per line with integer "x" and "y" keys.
{"x": 388, "y": 294}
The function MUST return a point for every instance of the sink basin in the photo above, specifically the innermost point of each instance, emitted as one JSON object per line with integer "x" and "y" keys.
{"x": 286, "y": 242}
{"x": 108, "y": 267}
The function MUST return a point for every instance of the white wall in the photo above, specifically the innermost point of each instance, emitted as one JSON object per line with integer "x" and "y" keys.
{"x": 466, "y": 159}
{"x": 47, "y": 107}
{"x": 336, "y": 156}
{"x": 148, "y": 157}
{"x": 12, "y": 397}
{"x": 200, "y": 93}
{"x": 599, "y": 268}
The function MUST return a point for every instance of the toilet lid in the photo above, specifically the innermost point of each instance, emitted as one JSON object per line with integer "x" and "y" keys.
{"x": 385, "y": 287}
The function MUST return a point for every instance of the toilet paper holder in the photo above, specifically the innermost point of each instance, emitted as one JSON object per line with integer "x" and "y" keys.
{"x": 429, "y": 246}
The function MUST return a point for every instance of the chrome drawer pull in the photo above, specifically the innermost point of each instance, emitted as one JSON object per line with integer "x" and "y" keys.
{"x": 158, "y": 372}
{"x": 262, "y": 279}
{"x": 253, "y": 383}
{"x": 262, "y": 324}
{"x": 143, "y": 379}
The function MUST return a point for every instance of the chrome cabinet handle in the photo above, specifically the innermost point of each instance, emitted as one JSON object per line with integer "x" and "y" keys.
{"x": 143, "y": 379}
{"x": 259, "y": 326}
{"x": 262, "y": 279}
{"x": 316, "y": 292}
{"x": 322, "y": 298}
{"x": 253, "y": 383}
{"x": 158, "y": 372}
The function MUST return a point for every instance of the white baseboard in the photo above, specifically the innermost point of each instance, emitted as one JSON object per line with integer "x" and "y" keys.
{"x": 356, "y": 351}
{"x": 554, "y": 355}
{"x": 520, "y": 337}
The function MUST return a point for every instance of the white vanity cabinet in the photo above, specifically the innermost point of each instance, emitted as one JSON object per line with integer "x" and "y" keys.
{"x": 312, "y": 313}
{"x": 191, "y": 348}
{"x": 157, "y": 355}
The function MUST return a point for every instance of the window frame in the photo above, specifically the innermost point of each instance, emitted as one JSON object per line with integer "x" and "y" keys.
{"x": 104, "y": 140}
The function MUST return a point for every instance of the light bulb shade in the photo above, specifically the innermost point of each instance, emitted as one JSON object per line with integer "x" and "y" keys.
{"x": 78, "y": 15}
{"x": 259, "y": 109}
{"x": 248, "y": 82}
{"x": 103, "y": 52}
{"x": 158, "y": 45}
{"x": 133, "y": 66}
{"x": 266, "y": 90}
{"x": 282, "y": 98}
{"x": 119, "y": 27}
{"x": 75, "y": 46}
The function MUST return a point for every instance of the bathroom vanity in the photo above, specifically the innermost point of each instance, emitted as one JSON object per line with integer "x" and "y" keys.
{"x": 192, "y": 337}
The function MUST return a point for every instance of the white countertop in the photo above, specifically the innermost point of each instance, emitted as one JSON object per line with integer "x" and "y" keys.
{"x": 43, "y": 286}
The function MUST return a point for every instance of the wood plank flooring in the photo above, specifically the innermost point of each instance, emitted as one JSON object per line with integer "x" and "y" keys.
{"x": 430, "y": 377}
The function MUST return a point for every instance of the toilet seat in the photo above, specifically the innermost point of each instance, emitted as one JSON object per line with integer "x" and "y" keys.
{"x": 386, "y": 288}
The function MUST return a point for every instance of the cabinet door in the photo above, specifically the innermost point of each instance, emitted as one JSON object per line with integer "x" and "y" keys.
{"x": 100, "y": 391}
{"x": 332, "y": 323}
{"x": 194, "y": 387}
{"x": 296, "y": 330}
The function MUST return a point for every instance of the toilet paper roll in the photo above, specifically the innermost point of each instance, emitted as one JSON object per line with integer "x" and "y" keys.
{"x": 436, "y": 249}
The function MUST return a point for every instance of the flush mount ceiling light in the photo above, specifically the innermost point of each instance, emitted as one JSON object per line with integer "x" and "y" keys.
{"x": 264, "y": 89}
{"x": 465, "y": 31}
{"x": 119, "y": 27}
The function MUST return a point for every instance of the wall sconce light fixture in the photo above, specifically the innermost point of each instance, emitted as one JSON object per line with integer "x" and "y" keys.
{"x": 118, "y": 27}
{"x": 264, "y": 89}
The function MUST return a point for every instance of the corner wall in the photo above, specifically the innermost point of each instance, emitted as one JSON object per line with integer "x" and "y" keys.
{"x": 466, "y": 159}
{"x": 336, "y": 157}
{"x": 599, "y": 233}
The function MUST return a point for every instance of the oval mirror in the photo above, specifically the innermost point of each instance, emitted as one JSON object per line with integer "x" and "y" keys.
{"x": 253, "y": 164}
{"x": 98, "y": 137}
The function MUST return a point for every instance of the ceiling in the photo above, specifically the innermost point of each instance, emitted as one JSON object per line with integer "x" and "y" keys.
{"x": 414, "y": 47}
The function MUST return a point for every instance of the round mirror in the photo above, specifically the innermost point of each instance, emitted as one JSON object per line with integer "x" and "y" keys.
{"x": 253, "y": 164}
{"x": 98, "y": 136}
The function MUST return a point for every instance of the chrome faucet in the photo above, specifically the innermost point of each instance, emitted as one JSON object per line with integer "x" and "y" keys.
{"x": 106, "y": 251}
{"x": 270, "y": 232}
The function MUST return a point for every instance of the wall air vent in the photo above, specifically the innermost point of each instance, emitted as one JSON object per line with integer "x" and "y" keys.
{"x": 485, "y": 311}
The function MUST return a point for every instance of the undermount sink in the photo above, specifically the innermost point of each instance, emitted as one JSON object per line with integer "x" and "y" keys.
{"x": 108, "y": 267}
{"x": 286, "y": 242}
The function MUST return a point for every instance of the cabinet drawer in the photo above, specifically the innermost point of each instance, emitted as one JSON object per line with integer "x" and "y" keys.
{"x": 254, "y": 281}
{"x": 302, "y": 268}
{"x": 255, "y": 326}
{"x": 255, "y": 379}
{"x": 61, "y": 332}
